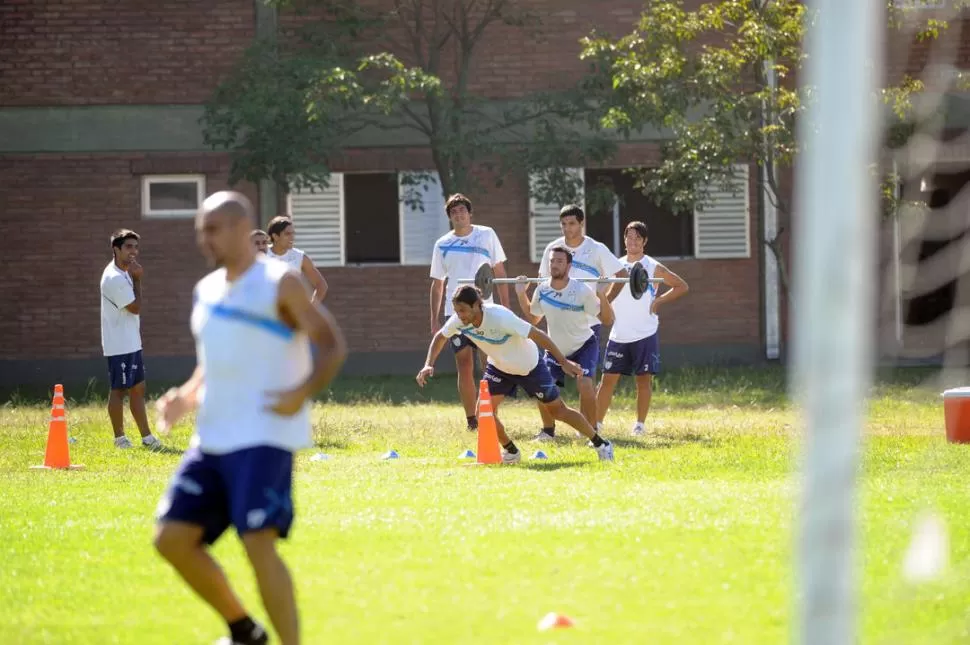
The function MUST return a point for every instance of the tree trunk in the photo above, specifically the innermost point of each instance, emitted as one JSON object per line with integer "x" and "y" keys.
{"x": 774, "y": 245}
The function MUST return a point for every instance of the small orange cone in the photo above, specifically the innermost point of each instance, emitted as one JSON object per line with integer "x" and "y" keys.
{"x": 58, "y": 455}
{"x": 552, "y": 620}
{"x": 488, "y": 450}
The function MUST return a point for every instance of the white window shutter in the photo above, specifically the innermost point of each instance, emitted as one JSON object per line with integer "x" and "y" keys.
{"x": 421, "y": 228}
{"x": 544, "y": 218}
{"x": 318, "y": 217}
{"x": 722, "y": 228}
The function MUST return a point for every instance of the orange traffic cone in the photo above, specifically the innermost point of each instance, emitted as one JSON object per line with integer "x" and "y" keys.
{"x": 552, "y": 620}
{"x": 58, "y": 455}
{"x": 488, "y": 450}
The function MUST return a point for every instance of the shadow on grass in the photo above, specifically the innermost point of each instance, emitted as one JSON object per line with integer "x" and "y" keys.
{"x": 546, "y": 466}
{"x": 168, "y": 450}
{"x": 662, "y": 441}
{"x": 331, "y": 444}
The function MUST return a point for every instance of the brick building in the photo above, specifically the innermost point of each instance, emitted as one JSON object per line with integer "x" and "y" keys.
{"x": 99, "y": 110}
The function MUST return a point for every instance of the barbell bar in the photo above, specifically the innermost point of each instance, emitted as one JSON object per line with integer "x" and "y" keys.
{"x": 639, "y": 280}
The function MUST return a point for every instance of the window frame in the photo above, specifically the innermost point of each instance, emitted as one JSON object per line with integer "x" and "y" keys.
{"x": 146, "y": 185}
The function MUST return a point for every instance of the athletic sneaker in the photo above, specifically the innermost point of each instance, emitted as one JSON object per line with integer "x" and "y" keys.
{"x": 152, "y": 442}
{"x": 638, "y": 430}
{"x": 510, "y": 458}
{"x": 544, "y": 436}
{"x": 605, "y": 452}
{"x": 257, "y": 637}
{"x": 123, "y": 442}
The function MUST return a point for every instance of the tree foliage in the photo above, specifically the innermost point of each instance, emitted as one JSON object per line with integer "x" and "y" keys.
{"x": 722, "y": 79}
{"x": 293, "y": 104}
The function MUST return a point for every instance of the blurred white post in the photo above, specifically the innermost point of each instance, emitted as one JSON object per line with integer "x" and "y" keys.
{"x": 834, "y": 239}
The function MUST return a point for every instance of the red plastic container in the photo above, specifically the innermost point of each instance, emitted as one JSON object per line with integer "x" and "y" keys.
{"x": 956, "y": 412}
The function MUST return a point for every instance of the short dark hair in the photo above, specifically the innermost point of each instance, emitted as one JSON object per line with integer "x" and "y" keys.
{"x": 572, "y": 210}
{"x": 467, "y": 294}
{"x": 564, "y": 251}
{"x": 118, "y": 237}
{"x": 639, "y": 227}
{"x": 456, "y": 200}
{"x": 278, "y": 224}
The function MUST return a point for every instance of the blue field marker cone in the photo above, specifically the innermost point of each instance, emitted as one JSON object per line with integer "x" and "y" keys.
{"x": 467, "y": 454}
{"x": 539, "y": 455}
{"x": 392, "y": 454}
{"x": 320, "y": 456}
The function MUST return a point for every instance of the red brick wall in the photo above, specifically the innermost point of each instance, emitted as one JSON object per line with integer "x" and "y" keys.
{"x": 723, "y": 306}
{"x": 906, "y": 54}
{"x": 512, "y": 62}
{"x": 138, "y": 51}
{"x": 50, "y": 285}
{"x": 175, "y": 52}
{"x": 57, "y": 225}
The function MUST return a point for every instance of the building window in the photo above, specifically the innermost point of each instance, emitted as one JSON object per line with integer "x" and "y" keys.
{"x": 670, "y": 235}
{"x": 371, "y": 218}
{"x": 718, "y": 229}
{"x": 171, "y": 196}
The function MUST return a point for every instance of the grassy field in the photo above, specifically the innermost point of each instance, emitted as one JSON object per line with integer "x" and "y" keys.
{"x": 686, "y": 538}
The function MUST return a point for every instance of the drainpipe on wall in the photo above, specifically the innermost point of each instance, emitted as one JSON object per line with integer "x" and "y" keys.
{"x": 897, "y": 252}
{"x": 770, "y": 226}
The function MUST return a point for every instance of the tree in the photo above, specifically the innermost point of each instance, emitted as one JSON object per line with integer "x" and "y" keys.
{"x": 721, "y": 79}
{"x": 291, "y": 106}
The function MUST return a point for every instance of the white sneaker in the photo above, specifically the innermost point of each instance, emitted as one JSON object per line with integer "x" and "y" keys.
{"x": 543, "y": 437}
{"x": 151, "y": 441}
{"x": 638, "y": 430}
{"x": 605, "y": 452}
{"x": 509, "y": 458}
{"x": 122, "y": 442}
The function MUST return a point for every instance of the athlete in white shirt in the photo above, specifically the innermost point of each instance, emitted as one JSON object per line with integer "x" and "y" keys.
{"x": 567, "y": 305}
{"x": 260, "y": 240}
{"x": 512, "y": 346}
{"x": 457, "y": 255}
{"x": 121, "y": 338}
{"x": 281, "y": 234}
{"x": 634, "y": 345}
{"x": 591, "y": 259}
{"x": 252, "y": 321}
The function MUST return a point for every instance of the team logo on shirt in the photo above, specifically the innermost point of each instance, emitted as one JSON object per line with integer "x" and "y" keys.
{"x": 256, "y": 518}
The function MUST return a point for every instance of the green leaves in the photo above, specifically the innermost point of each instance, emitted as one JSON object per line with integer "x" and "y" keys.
{"x": 291, "y": 106}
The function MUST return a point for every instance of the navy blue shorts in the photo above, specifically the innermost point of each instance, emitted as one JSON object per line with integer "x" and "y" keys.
{"x": 587, "y": 357}
{"x": 538, "y": 383}
{"x": 249, "y": 489}
{"x": 125, "y": 370}
{"x": 636, "y": 358}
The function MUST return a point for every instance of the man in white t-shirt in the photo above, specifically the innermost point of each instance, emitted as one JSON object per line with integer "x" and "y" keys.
{"x": 281, "y": 236}
{"x": 458, "y": 255}
{"x": 634, "y": 345}
{"x": 260, "y": 240}
{"x": 567, "y": 305}
{"x": 121, "y": 338}
{"x": 512, "y": 346}
{"x": 590, "y": 259}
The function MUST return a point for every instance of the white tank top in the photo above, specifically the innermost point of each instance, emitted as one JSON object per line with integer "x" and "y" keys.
{"x": 633, "y": 318}
{"x": 293, "y": 257}
{"x": 245, "y": 350}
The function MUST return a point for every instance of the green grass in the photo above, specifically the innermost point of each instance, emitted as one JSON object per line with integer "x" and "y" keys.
{"x": 686, "y": 538}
